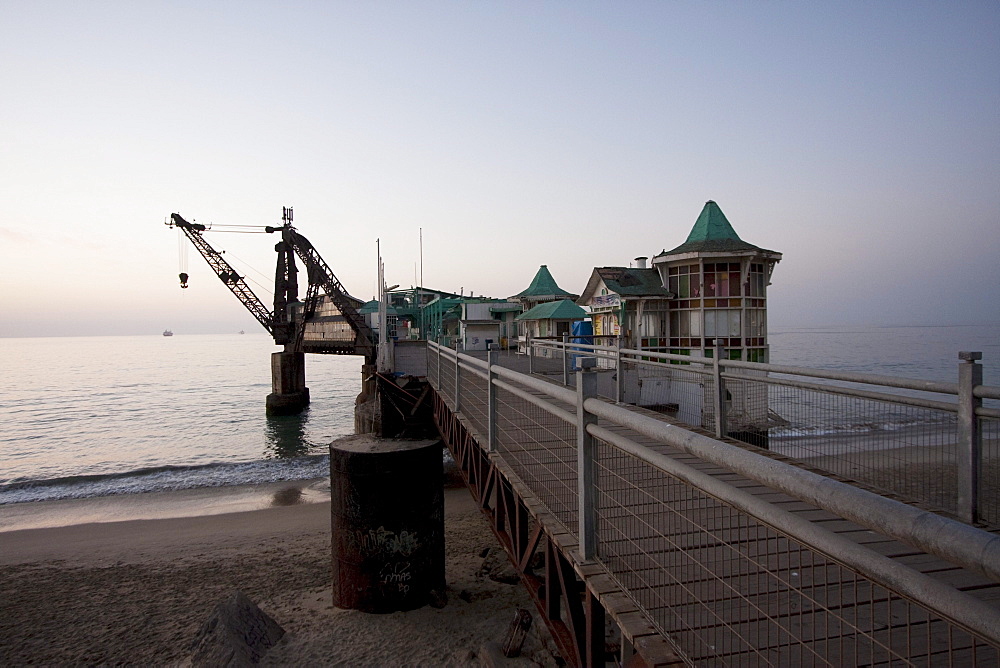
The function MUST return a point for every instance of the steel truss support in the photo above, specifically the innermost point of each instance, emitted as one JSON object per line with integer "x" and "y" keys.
{"x": 573, "y": 614}
{"x": 320, "y": 271}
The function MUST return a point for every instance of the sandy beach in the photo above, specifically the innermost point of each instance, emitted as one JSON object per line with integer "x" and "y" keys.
{"x": 136, "y": 591}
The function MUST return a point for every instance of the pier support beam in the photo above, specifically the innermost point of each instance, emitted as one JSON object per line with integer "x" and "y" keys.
{"x": 289, "y": 394}
{"x": 367, "y": 411}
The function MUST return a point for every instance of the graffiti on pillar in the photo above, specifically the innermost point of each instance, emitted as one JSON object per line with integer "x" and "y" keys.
{"x": 382, "y": 543}
{"x": 396, "y": 576}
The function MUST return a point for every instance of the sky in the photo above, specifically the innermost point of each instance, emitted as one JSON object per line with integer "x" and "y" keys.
{"x": 859, "y": 139}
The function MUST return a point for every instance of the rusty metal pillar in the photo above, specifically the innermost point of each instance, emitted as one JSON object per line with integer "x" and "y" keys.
{"x": 387, "y": 524}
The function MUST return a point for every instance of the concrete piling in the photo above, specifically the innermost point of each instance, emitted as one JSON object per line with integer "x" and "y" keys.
{"x": 289, "y": 394}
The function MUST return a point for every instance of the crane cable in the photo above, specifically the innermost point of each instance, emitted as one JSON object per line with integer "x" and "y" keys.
{"x": 182, "y": 257}
{"x": 248, "y": 266}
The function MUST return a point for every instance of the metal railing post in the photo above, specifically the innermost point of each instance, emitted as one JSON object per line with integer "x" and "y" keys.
{"x": 531, "y": 353}
{"x": 970, "y": 439}
{"x": 719, "y": 396}
{"x": 620, "y": 374}
{"x": 491, "y": 399}
{"x": 458, "y": 374}
{"x": 586, "y": 387}
{"x": 565, "y": 352}
{"x": 438, "y": 350}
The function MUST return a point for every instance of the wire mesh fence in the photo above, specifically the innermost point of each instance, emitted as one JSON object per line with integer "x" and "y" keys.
{"x": 891, "y": 443}
{"x": 989, "y": 494}
{"x": 899, "y": 448}
{"x": 446, "y": 380}
{"x": 684, "y": 392}
{"x": 473, "y": 404}
{"x": 729, "y": 590}
{"x": 540, "y": 449}
{"x": 433, "y": 360}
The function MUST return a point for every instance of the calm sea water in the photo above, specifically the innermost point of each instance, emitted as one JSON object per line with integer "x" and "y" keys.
{"x": 116, "y": 415}
{"x": 121, "y": 414}
{"x": 926, "y": 353}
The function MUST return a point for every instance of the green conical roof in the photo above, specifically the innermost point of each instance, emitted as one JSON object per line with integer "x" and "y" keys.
{"x": 543, "y": 285}
{"x": 713, "y": 233}
{"x": 712, "y": 225}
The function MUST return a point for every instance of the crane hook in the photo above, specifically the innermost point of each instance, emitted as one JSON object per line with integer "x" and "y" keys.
{"x": 184, "y": 279}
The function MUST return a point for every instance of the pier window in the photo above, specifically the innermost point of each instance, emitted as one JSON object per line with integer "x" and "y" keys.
{"x": 653, "y": 329}
{"x": 723, "y": 323}
{"x": 757, "y": 280}
{"x": 756, "y": 322}
{"x": 680, "y": 351}
{"x": 684, "y": 281}
{"x": 685, "y": 324}
{"x": 653, "y": 324}
{"x": 722, "y": 279}
{"x": 727, "y": 353}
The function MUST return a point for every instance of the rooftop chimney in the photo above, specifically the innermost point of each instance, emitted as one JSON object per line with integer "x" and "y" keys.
{"x": 640, "y": 262}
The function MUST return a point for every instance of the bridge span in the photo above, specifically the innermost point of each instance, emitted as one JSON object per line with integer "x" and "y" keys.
{"x": 654, "y": 542}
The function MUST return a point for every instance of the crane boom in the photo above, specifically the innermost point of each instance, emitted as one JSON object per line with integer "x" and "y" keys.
{"x": 277, "y": 322}
{"x": 319, "y": 272}
{"x": 225, "y": 272}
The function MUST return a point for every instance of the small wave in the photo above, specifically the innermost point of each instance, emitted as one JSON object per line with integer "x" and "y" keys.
{"x": 166, "y": 478}
{"x": 798, "y": 431}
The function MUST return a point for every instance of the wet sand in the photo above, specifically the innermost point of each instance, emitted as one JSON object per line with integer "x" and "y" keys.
{"x": 136, "y": 591}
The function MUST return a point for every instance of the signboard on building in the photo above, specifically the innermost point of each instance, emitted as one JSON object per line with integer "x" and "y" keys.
{"x": 607, "y": 324}
{"x": 606, "y": 301}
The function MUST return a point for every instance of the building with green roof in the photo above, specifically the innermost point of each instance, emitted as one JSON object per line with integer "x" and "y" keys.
{"x": 709, "y": 291}
{"x": 629, "y": 301}
{"x": 713, "y": 233}
{"x": 718, "y": 284}
{"x": 543, "y": 289}
{"x": 550, "y": 320}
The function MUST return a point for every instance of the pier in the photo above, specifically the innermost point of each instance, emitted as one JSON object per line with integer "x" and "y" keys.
{"x": 665, "y": 494}
{"x": 697, "y": 548}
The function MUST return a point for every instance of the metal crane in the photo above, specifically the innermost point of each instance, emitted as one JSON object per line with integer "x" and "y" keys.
{"x": 280, "y": 324}
{"x": 224, "y": 271}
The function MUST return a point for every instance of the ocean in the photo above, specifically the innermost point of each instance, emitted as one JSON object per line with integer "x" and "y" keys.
{"x": 102, "y": 416}
{"x": 96, "y": 416}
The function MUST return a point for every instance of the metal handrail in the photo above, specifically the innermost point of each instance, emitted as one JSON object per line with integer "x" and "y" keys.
{"x": 960, "y": 402}
{"x": 983, "y": 391}
{"x": 948, "y": 601}
{"x": 850, "y": 392}
{"x": 955, "y": 542}
{"x": 986, "y": 392}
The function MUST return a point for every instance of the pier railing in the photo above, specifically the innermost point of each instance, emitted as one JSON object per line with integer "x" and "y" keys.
{"x": 726, "y": 575}
{"x": 929, "y": 442}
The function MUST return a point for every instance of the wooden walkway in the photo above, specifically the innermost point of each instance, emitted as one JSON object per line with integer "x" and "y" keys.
{"x": 718, "y": 586}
